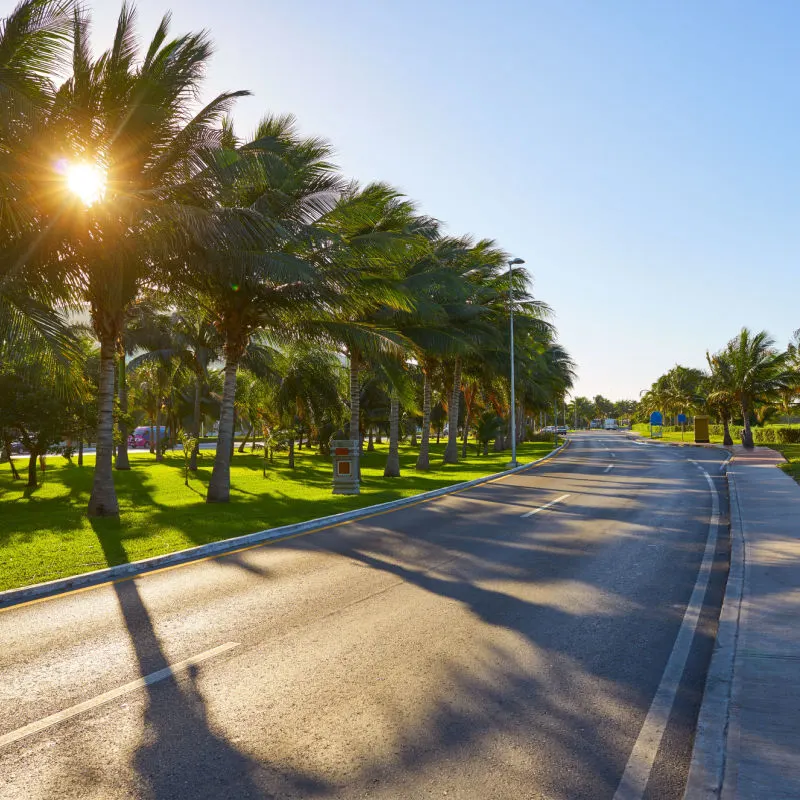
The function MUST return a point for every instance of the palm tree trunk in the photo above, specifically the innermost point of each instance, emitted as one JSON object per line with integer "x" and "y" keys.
{"x": 80, "y": 451}
{"x": 7, "y": 447}
{"x": 103, "y": 500}
{"x": 370, "y": 442}
{"x": 727, "y": 439}
{"x": 195, "y": 425}
{"x": 423, "y": 459}
{"x": 355, "y": 396}
{"x": 486, "y": 447}
{"x": 392, "y": 469}
{"x": 291, "y": 452}
{"x": 747, "y": 439}
{"x": 451, "y": 451}
{"x": 245, "y": 438}
{"x": 122, "y": 461}
{"x": 159, "y": 448}
{"x": 32, "y": 484}
{"x": 219, "y": 485}
{"x": 465, "y": 437}
{"x": 378, "y": 435}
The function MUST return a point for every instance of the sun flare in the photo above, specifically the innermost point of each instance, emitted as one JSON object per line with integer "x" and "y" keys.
{"x": 87, "y": 181}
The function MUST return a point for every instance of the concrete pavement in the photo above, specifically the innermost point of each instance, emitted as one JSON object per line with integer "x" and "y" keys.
{"x": 749, "y": 733}
{"x": 511, "y": 641}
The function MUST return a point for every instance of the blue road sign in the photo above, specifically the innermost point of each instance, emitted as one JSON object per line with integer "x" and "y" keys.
{"x": 656, "y": 418}
{"x": 682, "y": 419}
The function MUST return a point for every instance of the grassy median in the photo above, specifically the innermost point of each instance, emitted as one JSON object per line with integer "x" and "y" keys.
{"x": 45, "y": 533}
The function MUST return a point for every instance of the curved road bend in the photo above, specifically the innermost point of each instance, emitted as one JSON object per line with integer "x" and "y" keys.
{"x": 464, "y": 647}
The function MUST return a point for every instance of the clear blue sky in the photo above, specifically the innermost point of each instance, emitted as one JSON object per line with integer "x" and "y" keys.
{"x": 642, "y": 157}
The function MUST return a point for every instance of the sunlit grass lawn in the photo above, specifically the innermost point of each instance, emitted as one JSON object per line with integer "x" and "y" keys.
{"x": 791, "y": 452}
{"x": 45, "y": 533}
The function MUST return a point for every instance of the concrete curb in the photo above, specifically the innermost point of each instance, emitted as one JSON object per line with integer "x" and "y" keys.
{"x": 707, "y": 770}
{"x": 12, "y": 597}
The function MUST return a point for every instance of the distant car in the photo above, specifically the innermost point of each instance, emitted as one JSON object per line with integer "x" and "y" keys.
{"x": 140, "y": 437}
{"x": 17, "y": 448}
{"x": 562, "y": 429}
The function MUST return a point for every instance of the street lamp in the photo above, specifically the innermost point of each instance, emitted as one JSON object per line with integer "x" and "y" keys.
{"x": 511, "y": 325}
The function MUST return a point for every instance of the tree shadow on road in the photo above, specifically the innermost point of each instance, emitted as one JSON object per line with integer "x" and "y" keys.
{"x": 180, "y": 756}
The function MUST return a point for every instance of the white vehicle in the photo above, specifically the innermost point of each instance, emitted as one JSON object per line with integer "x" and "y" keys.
{"x": 610, "y": 425}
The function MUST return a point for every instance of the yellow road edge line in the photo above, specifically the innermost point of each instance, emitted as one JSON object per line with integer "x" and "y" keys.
{"x": 268, "y": 542}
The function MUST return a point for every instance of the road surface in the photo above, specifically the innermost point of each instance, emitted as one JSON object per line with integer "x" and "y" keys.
{"x": 523, "y": 639}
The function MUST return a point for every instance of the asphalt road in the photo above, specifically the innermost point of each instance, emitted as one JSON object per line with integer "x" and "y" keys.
{"x": 459, "y": 648}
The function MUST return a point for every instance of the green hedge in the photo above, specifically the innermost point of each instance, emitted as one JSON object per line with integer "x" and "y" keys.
{"x": 760, "y": 435}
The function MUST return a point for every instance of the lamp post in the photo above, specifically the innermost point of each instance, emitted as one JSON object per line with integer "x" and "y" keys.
{"x": 511, "y": 326}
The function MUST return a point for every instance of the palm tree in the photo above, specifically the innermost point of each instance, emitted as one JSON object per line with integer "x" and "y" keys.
{"x": 480, "y": 317}
{"x": 266, "y": 277}
{"x": 720, "y": 397}
{"x": 433, "y": 272}
{"x": 582, "y": 410}
{"x": 308, "y": 389}
{"x": 489, "y": 426}
{"x": 128, "y": 124}
{"x": 757, "y": 373}
{"x": 34, "y": 45}
{"x": 370, "y": 232}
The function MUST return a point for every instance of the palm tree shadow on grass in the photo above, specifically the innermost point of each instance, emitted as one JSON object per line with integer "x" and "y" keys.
{"x": 180, "y": 756}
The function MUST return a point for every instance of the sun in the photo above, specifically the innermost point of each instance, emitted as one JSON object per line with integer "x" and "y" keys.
{"x": 87, "y": 181}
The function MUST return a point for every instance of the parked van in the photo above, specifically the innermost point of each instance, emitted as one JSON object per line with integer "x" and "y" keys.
{"x": 610, "y": 425}
{"x": 140, "y": 437}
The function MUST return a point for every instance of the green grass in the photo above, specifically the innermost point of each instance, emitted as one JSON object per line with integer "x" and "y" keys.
{"x": 791, "y": 452}
{"x": 688, "y": 437}
{"x": 45, "y": 533}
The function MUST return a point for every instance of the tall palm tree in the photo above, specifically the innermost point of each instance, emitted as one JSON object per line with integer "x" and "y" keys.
{"x": 757, "y": 373}
{"x": 720, "y": 397}
{"x": 34, "y": 46}
{"x": 271, "y": 192}
{"x": 129, "y": 122}
{"x": 480, "y": 317}
{"x": 370, "y": 231}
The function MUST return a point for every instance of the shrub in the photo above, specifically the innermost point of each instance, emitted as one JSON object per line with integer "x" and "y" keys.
{"x": 541, "y": 437}
{"x": 788, "y": 435}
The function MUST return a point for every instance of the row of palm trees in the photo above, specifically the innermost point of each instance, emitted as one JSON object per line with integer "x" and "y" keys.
{"x": 116, "y": 187}
{"x": 749, "y": 377}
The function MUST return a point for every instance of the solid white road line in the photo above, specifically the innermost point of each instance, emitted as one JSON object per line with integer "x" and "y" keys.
{"x": 609, "y": 468}
{"x": 139, "y": 683}
{"x": 546, "y": 505}
{"x": 640, "y": 763}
